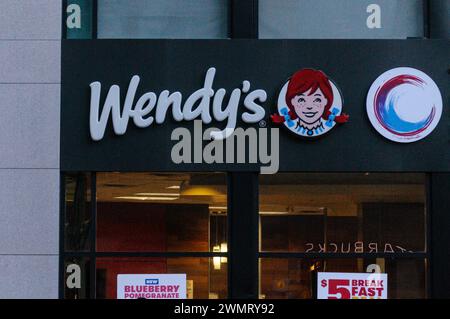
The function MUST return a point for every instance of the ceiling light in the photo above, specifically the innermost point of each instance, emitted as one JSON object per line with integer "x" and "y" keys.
{"x": 293, "y": 213}
{"x": 145, "y": 198}
{"x": 217, "y": 207}
{"x": 161, "y": 198}
{"x": 173, "y": 187}
{"x": 274, "y": 213}
{"x": 157, "y": 194}
{"x": 199, "y": 190}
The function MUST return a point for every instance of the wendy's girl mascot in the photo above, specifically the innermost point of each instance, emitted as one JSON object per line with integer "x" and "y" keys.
{"x": 309, "y": 99}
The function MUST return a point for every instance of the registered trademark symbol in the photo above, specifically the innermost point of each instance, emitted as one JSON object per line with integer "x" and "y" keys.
{"x": 262, "y": 123}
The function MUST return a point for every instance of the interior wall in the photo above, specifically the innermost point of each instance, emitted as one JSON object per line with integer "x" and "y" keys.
{"x": 145, "y": 227}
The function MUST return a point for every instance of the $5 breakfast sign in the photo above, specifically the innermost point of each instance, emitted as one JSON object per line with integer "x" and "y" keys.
{"x": 335, "y": 285}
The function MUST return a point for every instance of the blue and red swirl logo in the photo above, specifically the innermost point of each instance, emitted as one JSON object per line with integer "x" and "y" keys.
{"x": 404, "y": 105}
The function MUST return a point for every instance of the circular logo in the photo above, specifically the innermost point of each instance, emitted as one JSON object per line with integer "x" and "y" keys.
{"x": 404, "y": 105}
{"x": 309, "y": 104}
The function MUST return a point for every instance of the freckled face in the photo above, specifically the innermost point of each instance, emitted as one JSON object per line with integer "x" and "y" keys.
{"x": 309, "y": 106}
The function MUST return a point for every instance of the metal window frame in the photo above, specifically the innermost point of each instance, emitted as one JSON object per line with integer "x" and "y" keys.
{"x": 243, "y": 226}
{"x": 426, "y": 255}
{"x": 93, "y": 254}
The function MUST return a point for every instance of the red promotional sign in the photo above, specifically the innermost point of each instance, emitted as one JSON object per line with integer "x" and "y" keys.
{"x": 332, "y": 285}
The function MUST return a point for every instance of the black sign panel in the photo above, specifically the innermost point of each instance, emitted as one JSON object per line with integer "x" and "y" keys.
{"x": 181, "y": 65}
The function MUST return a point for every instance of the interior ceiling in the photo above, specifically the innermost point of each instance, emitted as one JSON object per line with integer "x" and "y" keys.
{"x": 340, "y": 194}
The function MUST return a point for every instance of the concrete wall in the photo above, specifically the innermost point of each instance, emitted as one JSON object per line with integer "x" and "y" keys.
{"x": 30, "y": 61}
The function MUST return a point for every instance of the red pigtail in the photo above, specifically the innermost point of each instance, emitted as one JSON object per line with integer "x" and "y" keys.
{"x": 343, "y": 118}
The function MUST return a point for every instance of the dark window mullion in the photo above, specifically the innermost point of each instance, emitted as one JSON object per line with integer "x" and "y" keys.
{"x": 244, "y": 19}
{"x": 93, "y": 235}
{"x": 94, "y": 19}
{"x": 428, "y": 211}
{"x": 62, "y": 216}
{"x": 426, "y": 18}
{"x": 63, "y": 20}
{"x": 440, "y": 236}
{"x": 243, "y": 243}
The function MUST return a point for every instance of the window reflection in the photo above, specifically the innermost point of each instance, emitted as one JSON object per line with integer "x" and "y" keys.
{"x": 343, "y": 213}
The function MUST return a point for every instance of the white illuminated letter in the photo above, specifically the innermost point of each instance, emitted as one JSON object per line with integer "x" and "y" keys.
{"x": 112, "y": 105}
{"x": 204, "y": 95}
{"x": 251, "y": 105}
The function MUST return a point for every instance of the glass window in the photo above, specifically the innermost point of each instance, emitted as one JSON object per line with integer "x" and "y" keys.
{"x": 159, "y": 212}
{"x": 295, "y": 278}
{"x": 312, "y": 216}
{"x": 340, "y": 19}
{"x": 174, "y": 19}
{"x": 204, "y": 281}
{"x": 78, "y": 209}
{"x": 343, "y": 213}
{"x": 143, "y": 214}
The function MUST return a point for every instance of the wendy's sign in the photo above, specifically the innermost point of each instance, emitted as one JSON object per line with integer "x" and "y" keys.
{"x": 310, "y": 104}
{"x": 123, "y": 99}
{"x": 204, "y": 103}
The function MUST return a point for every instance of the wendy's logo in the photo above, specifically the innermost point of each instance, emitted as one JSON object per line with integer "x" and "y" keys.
{"x": 404, "y": 105}
{"x": 309, "y": 104}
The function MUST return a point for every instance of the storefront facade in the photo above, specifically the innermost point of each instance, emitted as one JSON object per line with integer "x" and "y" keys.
{"x": 339, "y": 202}
{"x": 143, "y": 187}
